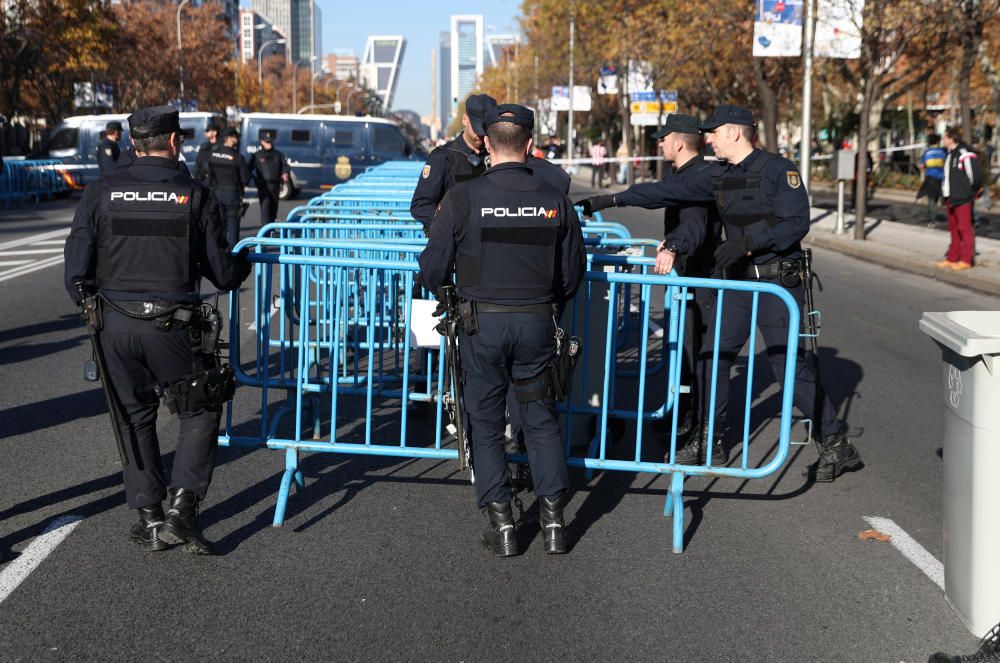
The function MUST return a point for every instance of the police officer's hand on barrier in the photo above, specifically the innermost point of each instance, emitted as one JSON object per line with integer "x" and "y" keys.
{"x": 664, "y": 259}
{"x": 731, "y": 250}
{"x": 596, "y": 203}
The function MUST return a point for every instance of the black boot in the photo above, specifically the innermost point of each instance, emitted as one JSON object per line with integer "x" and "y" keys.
{"x": 181, "y": 525}
{"x": 553, "y": 527}
{"x": 836, "y": 456}
{"x": 146, "y": 532}
{"x": 695, "y": 452}
{"x": 500, "y": 537}
{"x": 988, "y": 652}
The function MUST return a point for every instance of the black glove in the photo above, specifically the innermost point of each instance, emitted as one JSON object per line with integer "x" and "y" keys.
{"x": 596, "y": 203}
{"x": 730, "y": 251}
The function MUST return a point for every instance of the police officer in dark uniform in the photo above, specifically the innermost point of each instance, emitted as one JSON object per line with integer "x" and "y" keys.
{"x": 516, "y": 247}
{"x": 142, "y": 238}
{"x": 464, "y": 158}
{"x": 460, "y": 159}
{"x": 229, "y": 174}
{"x": 691, "y": 233}
{"x": 201, "y": 171}
{"x": 109, "y": 154}
{"x": 270, "y": 169}
{"x": 765, "y": 212}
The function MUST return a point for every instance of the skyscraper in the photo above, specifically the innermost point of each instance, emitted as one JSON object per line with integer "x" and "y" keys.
{"x": 299, "y": 20}
{"x": 380, "y": 65}
{"x": 253, "y": 37}
{"x": 466, "y": 56}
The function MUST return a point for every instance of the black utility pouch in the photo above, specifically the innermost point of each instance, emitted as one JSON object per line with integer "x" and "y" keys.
{"x": 467, "y": 314}
{"x": 790, "y": 274}
{"x": 563, "y": 364}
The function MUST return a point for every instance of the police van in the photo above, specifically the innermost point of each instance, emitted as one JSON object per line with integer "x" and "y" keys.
{"x": 325, "y": 150}
{"x": 75, "y": 140}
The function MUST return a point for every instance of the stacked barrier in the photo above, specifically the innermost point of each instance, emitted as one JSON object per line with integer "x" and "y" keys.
{"x": 332, "y": 307}
{"x": 23, "y": 180}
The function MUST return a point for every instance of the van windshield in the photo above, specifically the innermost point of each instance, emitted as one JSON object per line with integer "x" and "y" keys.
{"x": 64, "y": 139}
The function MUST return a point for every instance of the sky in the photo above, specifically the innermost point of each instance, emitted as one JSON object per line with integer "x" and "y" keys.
{"x": 348, "y": 23}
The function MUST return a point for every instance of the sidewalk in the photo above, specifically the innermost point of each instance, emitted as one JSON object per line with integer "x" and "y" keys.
{"x": 908, "y": 248}
{"x": 902, "y": 246}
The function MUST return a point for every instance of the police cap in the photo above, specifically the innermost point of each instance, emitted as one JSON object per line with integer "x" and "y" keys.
{"x": 112, "y": 126}
{"x": 213, "y": 125}
{"x": 476, "y": 107}
{"x": 679, "y": 124}
{"x": 230, "y": 131}
{"x": 156, "y": 121}
{"x": 267, "y": 135}
{"x": 728, "y": 114}
{"x": 513, "y": 113}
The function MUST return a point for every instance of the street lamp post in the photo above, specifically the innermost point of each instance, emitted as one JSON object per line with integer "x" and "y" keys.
{"x": 295, "y": 71}
{"x": 260, "y": 65}
{"x": 180, "y": 52}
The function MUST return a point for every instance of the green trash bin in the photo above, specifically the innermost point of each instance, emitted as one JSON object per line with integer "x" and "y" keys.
{"x": 970, "y": 351}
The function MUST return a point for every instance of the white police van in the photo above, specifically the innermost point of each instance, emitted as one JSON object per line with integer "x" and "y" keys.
{"x": 325, "y": 150}
{"x": 75, "y": 140}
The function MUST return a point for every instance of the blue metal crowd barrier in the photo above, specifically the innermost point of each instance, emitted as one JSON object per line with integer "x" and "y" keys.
{"x": 343, "y": 348}
{"x": 35, "y": 179}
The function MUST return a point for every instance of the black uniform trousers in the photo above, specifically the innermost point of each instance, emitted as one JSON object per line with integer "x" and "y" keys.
{"x": 230, "y": 201}
{"x": 695, "y": 326}
{"x": 268, "y": 192}
{"x": 139, "y": 357}
{"x": 508, "y": 346}
{"x": 772, "y": 320}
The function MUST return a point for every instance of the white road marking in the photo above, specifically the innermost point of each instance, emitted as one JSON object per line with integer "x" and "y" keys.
{"x": 23, "y": 252}
{"x": 17, "y": 571}
{"x": 35, "y": 238}
{"x": 37, "y": 261}
{"x": 910, "y": 549}
{"x": 27, "y": 269}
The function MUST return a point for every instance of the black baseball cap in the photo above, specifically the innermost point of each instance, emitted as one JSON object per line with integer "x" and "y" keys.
{"x": 230, "y": 131}
{"x": 156, "y": 121}
{"x": 677, "y": 123}
{"x": 513, "y": 113}
{"x": 113, "y": 125}
{"x": 476, "y": 107}
{"x": 267, "y": 135}
{"x": 728, "y": 114}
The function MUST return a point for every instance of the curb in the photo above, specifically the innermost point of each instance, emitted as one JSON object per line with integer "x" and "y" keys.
{"x": 987, "y": 283}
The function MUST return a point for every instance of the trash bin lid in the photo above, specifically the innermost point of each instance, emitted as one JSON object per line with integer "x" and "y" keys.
{"x": 967, "y": 333}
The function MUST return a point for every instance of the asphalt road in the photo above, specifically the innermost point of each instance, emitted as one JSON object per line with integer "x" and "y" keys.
{"x": 378, "y": 559}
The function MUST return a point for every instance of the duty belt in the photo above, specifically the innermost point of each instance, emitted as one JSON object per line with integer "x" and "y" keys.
{"x": 773, "y": 269}
{"x": 487, "y": 307}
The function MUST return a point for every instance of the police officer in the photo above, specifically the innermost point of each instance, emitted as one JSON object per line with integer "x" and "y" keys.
{"x": 109, "y": 154}
{"x": 517, "y": 251}
{"x": 141, "y": 238}
{"x": 464, "y": 158}
{"x": 229, "y": 174}
{"x": 765, "y": 212}
{"x": 201, "y": 172}
{"x": 691, "y": 233}
{"x": 270, "y": 169}
{"x": 460, "y": 159}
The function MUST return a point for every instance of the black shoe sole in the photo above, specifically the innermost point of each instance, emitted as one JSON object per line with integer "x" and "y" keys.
{"x": 501, "y": 551}
{"x": 172, "y": 536}
{"x": 152, "y": 546}
{"x": 849, "y": 465}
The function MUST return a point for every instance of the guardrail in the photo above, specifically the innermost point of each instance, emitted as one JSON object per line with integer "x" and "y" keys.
{"x": 36, "y": 179}
{"x": 342, "y": 331}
